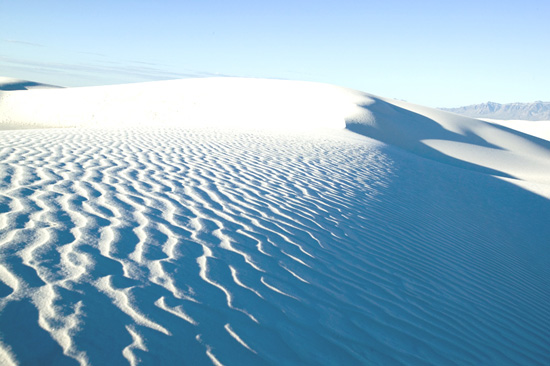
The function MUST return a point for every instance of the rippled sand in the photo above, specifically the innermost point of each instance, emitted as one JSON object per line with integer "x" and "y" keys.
{"x": 201, "y": 246}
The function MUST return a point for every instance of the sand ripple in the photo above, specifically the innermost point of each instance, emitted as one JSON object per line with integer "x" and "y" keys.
{"x": 172, "y": 246}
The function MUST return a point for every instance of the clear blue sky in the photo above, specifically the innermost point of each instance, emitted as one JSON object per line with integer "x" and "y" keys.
{"x": 435, "y": 53}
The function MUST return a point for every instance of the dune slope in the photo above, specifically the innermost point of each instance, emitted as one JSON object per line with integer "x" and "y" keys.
{"x": 18, "y": 84}
{"x": 278, "y": 104}
{"x": 237, "y": 240}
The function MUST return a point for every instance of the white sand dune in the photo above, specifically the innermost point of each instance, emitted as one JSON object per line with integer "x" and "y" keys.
{"x": 251, "y": 222}
{"x": 278, "y": 104}
{"x": 18, "y": 84}
{"x": 540, "y": 129}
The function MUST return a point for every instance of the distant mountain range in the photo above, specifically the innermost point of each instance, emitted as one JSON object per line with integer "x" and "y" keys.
{"x": 536, "y": 111}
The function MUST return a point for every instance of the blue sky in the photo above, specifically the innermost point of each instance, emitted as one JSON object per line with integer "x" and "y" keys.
{"x": 435, "y": 53}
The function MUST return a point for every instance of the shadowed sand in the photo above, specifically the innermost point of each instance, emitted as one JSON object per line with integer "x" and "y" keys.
{"x": 242, "y": 241}
{"x": 17, "y": 84}
{"x": 291, "y": 105}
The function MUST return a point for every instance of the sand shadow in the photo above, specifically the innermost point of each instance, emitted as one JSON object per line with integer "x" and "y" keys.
{"x": 30, "y": 344}
{"x": 24, "y": 85}
{"x": 407, "y": 130}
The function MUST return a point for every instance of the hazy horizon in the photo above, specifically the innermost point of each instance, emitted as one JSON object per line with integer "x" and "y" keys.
{"x": 429, "y": 53}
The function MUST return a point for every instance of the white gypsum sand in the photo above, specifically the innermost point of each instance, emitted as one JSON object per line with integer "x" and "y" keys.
{"x": 18, "y": 84}
{"x": 540, "y": 129}
{"x": 248, "y": 222}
